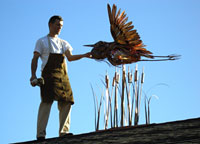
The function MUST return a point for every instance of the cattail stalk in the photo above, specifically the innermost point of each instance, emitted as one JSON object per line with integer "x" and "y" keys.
{"x": 142, "y": 81}
{"x": 95, "y": 107}
{"x": 129, "y": 98}
{"x": 99, "y": 112}
{"x": 116, "y": 99}
{"x": 122, "y": 96}
{"x": 136, "y": 95}
{"x": 107, "y": 101}
{"x": 145, "y": 108}
{"x": 149, "y": 111}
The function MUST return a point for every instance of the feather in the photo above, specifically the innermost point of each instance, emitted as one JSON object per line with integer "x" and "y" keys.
{"x": 109, "y": 14}
{"x": 121, "y": 30}
{"x": 114, "y": 11}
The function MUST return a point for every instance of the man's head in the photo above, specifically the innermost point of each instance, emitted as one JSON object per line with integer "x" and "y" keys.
{"x": 55, "y": 25}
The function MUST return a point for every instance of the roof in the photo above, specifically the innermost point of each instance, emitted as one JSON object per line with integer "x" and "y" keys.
{"x": 177, "y": 132}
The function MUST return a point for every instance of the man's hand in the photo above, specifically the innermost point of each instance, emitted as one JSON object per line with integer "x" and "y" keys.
{"x": 88, "y": 55}
{"x": 32, "y": 82}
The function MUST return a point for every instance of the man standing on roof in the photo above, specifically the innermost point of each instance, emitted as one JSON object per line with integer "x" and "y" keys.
{"x": 52, "y": 51}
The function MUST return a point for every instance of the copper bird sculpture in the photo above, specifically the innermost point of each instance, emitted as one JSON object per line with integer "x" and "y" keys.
{"x": 127, "y": 46}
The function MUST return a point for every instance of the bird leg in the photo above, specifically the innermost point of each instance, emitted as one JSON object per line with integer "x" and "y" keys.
{"x": 163, "y": 58}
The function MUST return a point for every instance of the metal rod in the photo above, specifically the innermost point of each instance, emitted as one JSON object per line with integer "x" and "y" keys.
{"x": 129, "y": 97}
{"x": 122, "y": 97}
{"x": 136, "y": 95}
{"x": 107, "y": 100}
{"x": 142, "y": 81}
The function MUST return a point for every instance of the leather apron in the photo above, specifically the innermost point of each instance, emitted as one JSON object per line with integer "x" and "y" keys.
{"x": 56, "y": 82}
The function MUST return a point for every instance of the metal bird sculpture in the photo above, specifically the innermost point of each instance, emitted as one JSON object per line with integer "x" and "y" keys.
{"x": 127, "y": 46}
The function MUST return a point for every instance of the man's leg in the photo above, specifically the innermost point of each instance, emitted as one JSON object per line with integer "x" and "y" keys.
{"x": 43, "y": 116}
{"x": 64, "y": 117}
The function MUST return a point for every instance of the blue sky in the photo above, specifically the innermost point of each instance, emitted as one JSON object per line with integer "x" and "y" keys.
{"x": 166, "y": 27}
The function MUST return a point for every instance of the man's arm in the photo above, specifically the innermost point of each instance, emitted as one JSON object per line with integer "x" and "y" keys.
{"x": 71, "y": 57}
{"x": 34, "y": 64}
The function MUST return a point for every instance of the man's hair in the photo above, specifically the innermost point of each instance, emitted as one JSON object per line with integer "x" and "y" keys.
{"x": 54, "y": 18}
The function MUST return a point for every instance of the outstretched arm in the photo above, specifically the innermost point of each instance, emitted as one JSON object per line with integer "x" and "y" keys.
{"x": 72, "y": 57}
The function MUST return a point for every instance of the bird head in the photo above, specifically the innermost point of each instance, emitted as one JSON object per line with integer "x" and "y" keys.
{"x": 99, "y": 49}
{"x": 99, "y": 44}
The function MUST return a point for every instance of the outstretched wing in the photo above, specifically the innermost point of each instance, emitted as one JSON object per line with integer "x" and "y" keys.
{"x": 121, "y": 30}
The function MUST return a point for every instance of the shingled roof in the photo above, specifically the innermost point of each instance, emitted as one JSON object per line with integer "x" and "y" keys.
{"x": 177, "y": 132}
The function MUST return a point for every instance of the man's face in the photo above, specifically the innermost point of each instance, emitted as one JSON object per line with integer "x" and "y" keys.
{"x": 56, "y": 27}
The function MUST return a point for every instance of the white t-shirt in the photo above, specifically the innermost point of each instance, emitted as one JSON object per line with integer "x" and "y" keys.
{"x": 58, "y": 46}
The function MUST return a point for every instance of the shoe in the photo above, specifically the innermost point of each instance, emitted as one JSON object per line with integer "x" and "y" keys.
{"x": 40, "y": 138}
{"x": 66, "y": 134}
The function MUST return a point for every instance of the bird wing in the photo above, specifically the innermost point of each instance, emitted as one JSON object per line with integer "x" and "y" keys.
{"x": 121, "y": 30}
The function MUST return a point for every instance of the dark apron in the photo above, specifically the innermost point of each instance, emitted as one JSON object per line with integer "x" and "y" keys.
{"x": 56, "y": 82}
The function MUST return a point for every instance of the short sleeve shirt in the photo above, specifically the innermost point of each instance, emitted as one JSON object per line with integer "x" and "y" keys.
{"x": 58, "y": 46}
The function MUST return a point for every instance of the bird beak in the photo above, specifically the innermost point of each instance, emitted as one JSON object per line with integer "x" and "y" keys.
{"x": 92, "y": 45}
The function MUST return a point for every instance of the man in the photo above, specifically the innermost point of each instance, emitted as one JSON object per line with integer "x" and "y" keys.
{"x": 52, "y": 51}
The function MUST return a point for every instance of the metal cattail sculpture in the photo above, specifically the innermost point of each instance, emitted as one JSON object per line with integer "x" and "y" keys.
{"x": 132, "y": 87}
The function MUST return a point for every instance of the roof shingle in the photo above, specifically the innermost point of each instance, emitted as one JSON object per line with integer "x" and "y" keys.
{"x": 177, "y": 132}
